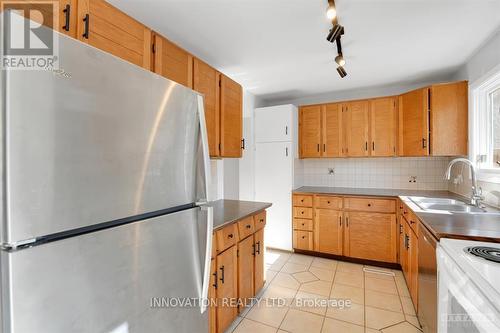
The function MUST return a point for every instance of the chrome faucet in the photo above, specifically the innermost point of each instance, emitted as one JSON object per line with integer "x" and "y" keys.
{"x": 476, "y": 196}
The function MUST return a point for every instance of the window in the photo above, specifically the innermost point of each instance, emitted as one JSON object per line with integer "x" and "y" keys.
{"x": 485, "y": 127}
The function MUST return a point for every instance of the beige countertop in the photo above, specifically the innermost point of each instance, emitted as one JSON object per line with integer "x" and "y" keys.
{"x": 230, "y": 211}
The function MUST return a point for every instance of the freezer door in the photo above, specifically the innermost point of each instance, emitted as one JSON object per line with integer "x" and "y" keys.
{"x": 115, "y": 280}
{"x": 97, "y": 141}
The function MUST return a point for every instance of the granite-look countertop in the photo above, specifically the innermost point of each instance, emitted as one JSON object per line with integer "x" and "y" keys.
{"x": 229, "y": 211}
{"x": 442, "y": 224}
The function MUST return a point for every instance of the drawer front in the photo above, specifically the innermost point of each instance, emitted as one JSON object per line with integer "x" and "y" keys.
{"x": 226, "y": 237}
{"x": 370, "y": 205}
{"x": 260, "y": 220}
{"x": 303, "y": 200}
{"x": 411, "y": 218}
{"x": 302, "y": 212}
{"x": 303, "y": 224}
{"x": 326, "y": 202}
{"x": 246, "y": 227}
{"x": 303, "y": 240}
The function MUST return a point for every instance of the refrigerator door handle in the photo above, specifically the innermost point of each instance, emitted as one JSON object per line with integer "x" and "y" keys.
{"x": 206, "y": 152}
{"x": 207, "y": 260}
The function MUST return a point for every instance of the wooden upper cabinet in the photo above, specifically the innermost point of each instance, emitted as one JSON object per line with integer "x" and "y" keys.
{"x": 231, "y": 117}
{"x": 356, "y": 116}
{"x": 310, "y": 131}
{"x": 107, "y": 28}
{"x": 206, "y": 81}
{"x": 67, "y": 17}
{"x": 332, "y": 130}
{"x": 328, "y": 231}
{"x": 383, "y": 126}
{"x": 449, "y": 119}
{"x": 171, "y": 61}
{"x": 414, "y": 123}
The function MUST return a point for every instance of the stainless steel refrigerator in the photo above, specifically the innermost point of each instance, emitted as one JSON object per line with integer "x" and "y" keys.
{"x": 104, "y": 177}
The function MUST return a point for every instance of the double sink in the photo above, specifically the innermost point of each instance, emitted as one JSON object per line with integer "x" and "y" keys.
{"x": 450, "y": 205}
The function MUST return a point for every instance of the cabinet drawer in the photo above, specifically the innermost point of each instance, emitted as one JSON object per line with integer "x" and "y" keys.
{"x": 302, "y": 200}
{"x": 303, "y": 240}
{"x": 302, "y": 212}
{"x": 226, "y": 237}
{"x": 327, "y": 202}
{"x": 246, "y": 227}
{"x": 411, "y": 218}
{"x": 260, "y": 220}
{"x": 303, "y": 224}
{"x": 370, "y": 205}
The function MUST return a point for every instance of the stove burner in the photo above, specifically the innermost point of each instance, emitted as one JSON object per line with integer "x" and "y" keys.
{"x": 488, "y": 253}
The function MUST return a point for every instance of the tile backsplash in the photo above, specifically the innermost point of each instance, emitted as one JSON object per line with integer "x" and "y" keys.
{"x": 418, "y": 173}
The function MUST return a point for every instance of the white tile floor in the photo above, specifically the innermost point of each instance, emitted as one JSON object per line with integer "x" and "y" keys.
{"x": 316, "y": 295}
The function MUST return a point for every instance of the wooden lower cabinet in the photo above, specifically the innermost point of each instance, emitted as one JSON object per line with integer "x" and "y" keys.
{"x": 212, "y": 294}
{"x": 246, "y": 254}
{"x": 227, "y": 288}
{"x": 370, "y": 236}
{"x": 303, "y": 240}
{"x": 259, "y": 260}
{"x": 409, "y": 259}
{"x": 328, "y": 231}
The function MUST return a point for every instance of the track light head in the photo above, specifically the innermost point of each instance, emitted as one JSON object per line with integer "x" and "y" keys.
{"x": 335, "y": 32}
{"x": 340, "y": 60}
{"x": 331, "y": 12}
{"x": 341, "y": 72}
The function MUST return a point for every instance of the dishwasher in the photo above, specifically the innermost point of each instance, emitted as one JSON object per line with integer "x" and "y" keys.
{"x": 427, "y": 280}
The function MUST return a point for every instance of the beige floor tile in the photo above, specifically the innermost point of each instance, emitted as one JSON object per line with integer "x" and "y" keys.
{"x": 402, "y": 287}
{"x": 286, "y": 280}
{"x": 310, "y": 303}
{"x": 272, "y": 255}
{"x": 383, "y": 301}
{"x": 290, "y": 267}
{"x": 322, "y": 288}
{"x": 325, "y": 263}
{"x": 354, "y": 314}
{"x": 349, "y": 267}
{"x": 412, "y": 320}
{"x": 302, "y": 322}
{"x": 337, "y": 326}
{"x": 398, "y": 273}
{"x": 356, "y": 295}
{"x": 278, "y": 293}
{"x": 401, "y": 328}
{"x": 378, "y": 318}
{"x": 408, "y": 306}
{"x": 300, "y": 259}
{"x": 250, "y": 326}
{"x": 277, "y": 266}
{"x": 381, "y": 285}
{"x": 270, "y": 315}
{"x": 353, "y": 279}
{"x": 322, "y": 274}
{"x": 371, "y": 330}
{"x": 382, "y": 275}
{"x": 303, "y": 277}
{"x": 269, "y": 275}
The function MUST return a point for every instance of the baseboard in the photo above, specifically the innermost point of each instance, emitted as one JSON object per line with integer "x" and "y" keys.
{"x": 349, "y": 259}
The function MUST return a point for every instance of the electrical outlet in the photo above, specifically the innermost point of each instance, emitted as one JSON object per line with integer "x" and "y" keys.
{"x": 331, "y": 171}
{"x": 412, "y": 179}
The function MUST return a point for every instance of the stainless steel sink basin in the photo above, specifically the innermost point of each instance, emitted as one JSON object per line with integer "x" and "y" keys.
{"x": 442, "y": 201}
{"x": 457, "y": 207}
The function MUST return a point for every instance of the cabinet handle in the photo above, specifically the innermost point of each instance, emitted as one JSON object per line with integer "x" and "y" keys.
{"x": 303, "y": 224}
{"x": 222, "y": 274}
{"x": 412, "y": 222}
{"x": 369, "y": 205}
{"x": 340, "y": 218}
{"x": 261, "y": 220}
{"x": 253, "y": 249}
{"x": 400, "y": 229}
{"x": 215, "y": 279}
{"x": 373, "y": 145}
{"x": 366, "y": 145}
{"x": 286, "y": 151}
{"x": 324, "y": 147}
{"x": 243, "y": 143}
{"x": 248, "y": 226}
{"x": 302, "y": 200}
{"x": 230, "y": 236}
{"x": 318, "y": 147}
{"x": 67, "y": 14}
{"x": 347, "y": 221}
{"x": 328, "y": 202}
{"x": 286, "y": 130}
{"x": 258, "y": 247}
{"x": 303, "y": 237}
{"x": 86, "y": 20}
{"x": 424, "y": 143}
{"x": 302, "y": 212}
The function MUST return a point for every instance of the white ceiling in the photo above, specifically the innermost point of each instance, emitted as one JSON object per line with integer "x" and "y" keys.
{"x": 277, "y": 49}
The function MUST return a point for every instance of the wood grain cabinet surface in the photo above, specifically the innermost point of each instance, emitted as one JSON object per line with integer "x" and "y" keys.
{"x": 310, "y": 131}
{"x": 328, "y": 231}
{"x": 231, "y": 113}
{"x": 356, "y": 124}
{"x": 227, "y": 288}
{"x": 383, "y": 126}
{"x": 171, "y": 61}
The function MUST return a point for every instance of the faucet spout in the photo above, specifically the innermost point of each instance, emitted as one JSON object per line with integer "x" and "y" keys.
{"x": 476, "y": 193}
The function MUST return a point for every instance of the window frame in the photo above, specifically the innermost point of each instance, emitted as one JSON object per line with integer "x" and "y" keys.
{"x": 480, "y": 132}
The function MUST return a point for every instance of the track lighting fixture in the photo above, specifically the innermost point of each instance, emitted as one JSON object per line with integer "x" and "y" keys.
{"x": 341, "y": 72}
{"x": 335, "y": 32}
{"x": 340, "y": 60}
{"x": 331, "y": 12}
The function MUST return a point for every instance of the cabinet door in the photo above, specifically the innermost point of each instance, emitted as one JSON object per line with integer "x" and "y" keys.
{"x": 328, "y": 231}
{"x": 413, "y": 263}
{"x": 403, "y": 255}
{"x": 231, "y": 117}
{"x": 356, "y": 128}
{"x": 172, "y": 62}
{"x": 259, "y": 260}
{"x": 275, "y": 124}
{"x": 449, "y": 119}
{"x": 371, "y": 236}
{"x": 67, "y": 17}
{"x": 303, "y": 240}
{"x": 246, "y": 254}
{"x": 332, "y": 131}
{"x": 414, "y": 123}
{"x": 227, "y": 287}
{"x": 206, "y": 82}
{"x": 212, "y": 314}
{"x": 383, "y": 126}
{"x": 406, "y": 252}
{"x": 107, "y": 28}
{"x": 310, "y": 131}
